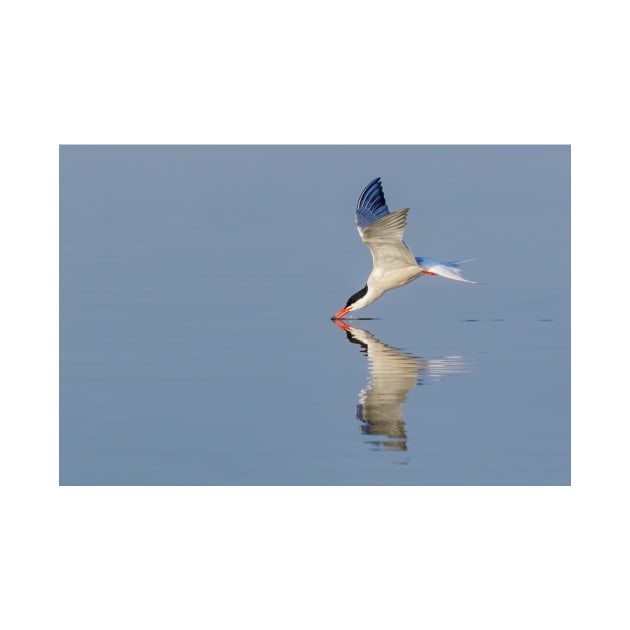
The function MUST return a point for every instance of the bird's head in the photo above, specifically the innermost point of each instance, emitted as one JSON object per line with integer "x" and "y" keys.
{"x": 356, "y": 301}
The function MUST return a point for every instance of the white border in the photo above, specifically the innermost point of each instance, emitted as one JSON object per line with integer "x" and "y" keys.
{"x": 484, "y": 72}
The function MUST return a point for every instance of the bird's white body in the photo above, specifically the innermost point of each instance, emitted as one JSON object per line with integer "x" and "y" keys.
{"x": 394, "y": 265}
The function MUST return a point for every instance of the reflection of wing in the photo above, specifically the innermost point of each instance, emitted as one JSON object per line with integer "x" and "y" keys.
{"x": 393, "y": 374}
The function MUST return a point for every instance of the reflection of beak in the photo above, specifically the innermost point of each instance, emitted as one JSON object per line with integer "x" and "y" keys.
{"x": 341, "y": 324}
{"x": 341, "y": 314}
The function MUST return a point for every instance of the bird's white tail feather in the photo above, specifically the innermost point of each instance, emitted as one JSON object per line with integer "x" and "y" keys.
{"x": 450, "y": 270}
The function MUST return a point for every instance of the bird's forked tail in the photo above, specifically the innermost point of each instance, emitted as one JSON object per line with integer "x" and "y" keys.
{"x": 443, "y": 268}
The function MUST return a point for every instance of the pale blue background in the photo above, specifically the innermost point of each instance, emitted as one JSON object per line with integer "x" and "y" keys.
{"x": 197, "y": 285}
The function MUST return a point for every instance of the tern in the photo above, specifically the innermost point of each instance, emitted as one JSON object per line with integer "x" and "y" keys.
{"x": 393, "y": 263}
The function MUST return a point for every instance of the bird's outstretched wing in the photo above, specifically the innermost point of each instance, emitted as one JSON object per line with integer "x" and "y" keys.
{"x": 371, "y": 205}
{"x": 384, "y": 239}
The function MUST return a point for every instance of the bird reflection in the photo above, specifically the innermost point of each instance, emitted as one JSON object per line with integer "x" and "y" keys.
{"x": 393, "y": 374}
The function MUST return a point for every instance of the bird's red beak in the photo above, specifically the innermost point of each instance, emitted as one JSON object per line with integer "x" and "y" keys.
{"x": 341, "y": 314}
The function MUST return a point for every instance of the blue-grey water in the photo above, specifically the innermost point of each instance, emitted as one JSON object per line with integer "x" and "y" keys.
{"x": 196, "y": 289}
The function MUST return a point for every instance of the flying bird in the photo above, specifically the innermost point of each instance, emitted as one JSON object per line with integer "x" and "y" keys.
{"x": 393, "y": 263}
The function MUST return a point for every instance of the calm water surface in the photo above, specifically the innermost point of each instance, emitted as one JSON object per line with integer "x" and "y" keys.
{"x": 196, "y": 347}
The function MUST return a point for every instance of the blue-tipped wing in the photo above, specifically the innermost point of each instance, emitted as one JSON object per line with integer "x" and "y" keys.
{"x": 371, "y": 205}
